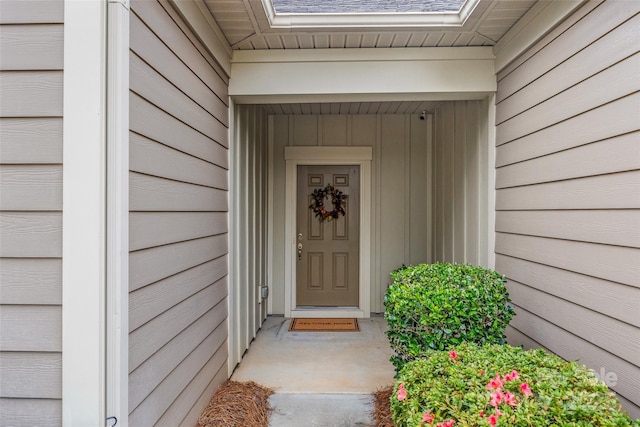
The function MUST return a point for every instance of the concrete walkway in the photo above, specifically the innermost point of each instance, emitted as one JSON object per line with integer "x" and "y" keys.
{"x": 322, "y": 379}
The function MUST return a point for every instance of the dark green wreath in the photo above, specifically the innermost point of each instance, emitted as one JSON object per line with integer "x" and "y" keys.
{"x": 337, "y": 198}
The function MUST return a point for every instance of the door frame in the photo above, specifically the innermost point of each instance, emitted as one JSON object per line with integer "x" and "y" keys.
{"x": 361, "y": 156}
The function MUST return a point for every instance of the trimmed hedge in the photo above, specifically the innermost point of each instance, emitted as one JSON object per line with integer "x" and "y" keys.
{"x": 501, "y": 385}
{"x": 435, "y": 306}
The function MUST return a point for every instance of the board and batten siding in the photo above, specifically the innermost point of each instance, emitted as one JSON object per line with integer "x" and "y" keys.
{"x": 31, "y": 67}
{"x": 179, "y": 118}
{"x": 249, "y": 222}
{"x": 460, "y": 183}
{"x": 400, "y": 211}
{"x": 568, "y": 193}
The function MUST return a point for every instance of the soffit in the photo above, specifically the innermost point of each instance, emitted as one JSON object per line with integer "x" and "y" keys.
{"x": 398, "y": 107}
{"x": 247, "y": 26}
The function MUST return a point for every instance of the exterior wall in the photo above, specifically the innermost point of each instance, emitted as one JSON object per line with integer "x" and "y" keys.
{"x": 249, "y": 222}
{"x": 568, "y": 193}
{"x": 400, "y": 181}
{"x": 31, "y": 76}
{"x": 178, "y": 220}
{"x": 460, "y": 186}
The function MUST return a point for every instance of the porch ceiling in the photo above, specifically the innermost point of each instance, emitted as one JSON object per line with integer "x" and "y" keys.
{"x": 399, "y": 107}
{"x": 252, "y": 24}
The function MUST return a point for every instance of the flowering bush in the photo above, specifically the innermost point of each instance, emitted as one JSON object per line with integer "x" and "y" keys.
{"x": 435, "y": 306}
{"x": 501, "y": 385}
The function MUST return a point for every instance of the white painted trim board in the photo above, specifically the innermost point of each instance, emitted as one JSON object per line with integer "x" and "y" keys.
{"x": 295, "y": 156}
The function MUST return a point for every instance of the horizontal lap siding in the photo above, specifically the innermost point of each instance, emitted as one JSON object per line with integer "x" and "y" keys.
{"x": 31, "y": 72}
{"x": 568, "y": 192}
{"x": 178, "y": 220}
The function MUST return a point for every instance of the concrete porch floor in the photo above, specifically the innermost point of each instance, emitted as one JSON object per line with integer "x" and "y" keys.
{"x": 319, "y": 362}
{"x": 320, "y": 379}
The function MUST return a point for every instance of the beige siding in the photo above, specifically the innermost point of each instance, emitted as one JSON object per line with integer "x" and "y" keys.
{"x": 568, "y": 192}
{"x": 178, "y": 220}
{"x": 31, "y": 62}
{"x": 250, "y": 224}
{"x": 401, "y": 176}
{"x": 460, "y": 164}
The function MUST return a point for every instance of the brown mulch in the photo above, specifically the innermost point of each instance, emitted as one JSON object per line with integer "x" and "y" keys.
{"x": 243, "y": 404}
{"x": 237, "y": 404}
{"x": 382, "y": 411}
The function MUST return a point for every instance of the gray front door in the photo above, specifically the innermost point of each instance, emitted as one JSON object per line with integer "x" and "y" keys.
{"x": 327, "y": 251}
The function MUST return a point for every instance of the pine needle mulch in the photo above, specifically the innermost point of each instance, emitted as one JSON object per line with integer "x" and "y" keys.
{"x": 237, "y": 404}
{"x": 382, "y": 411}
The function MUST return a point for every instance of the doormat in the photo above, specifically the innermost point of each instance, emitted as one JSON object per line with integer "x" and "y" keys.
{"x": 324, "y": 325}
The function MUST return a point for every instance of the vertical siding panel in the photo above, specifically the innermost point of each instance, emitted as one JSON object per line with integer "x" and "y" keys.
{"x": 179, "y": 118}
{"x": 590, "y": 152}
{"x": 418, "y": 197}
{"x": 31, "y": 86}
{"x": 459, "y": 184}
{"x": 393, "y": 192}
{"x": 251, "y": 234}
{"x": 334, "y": 130}
{"x": 438, "y": 189}
{"x": 472, "y": 185}
{"x": 448, "y": 173}
{"x": 459, "y": 180}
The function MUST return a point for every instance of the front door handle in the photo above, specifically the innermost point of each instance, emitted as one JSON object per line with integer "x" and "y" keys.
{"x": 299, "y": 251}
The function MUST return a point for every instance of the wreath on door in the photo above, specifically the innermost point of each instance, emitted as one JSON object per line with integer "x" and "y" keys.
{"x": 319, "y": 196}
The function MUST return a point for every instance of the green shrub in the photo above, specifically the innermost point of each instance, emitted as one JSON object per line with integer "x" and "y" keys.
{"x": 458, "y": 387}
{"x": 435, "y": 306}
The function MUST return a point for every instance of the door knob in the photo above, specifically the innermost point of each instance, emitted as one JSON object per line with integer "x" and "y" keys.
{"x": 299, "y": 251}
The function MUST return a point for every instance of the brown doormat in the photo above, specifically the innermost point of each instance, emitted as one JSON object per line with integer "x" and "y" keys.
{"x": 324, "y": 325}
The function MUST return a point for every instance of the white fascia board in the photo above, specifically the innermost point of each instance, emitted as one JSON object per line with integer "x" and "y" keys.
{"x": 197, "y": 15}
{"x": 391, "y": 75}
{"x": 535, "y": 24}
{"x": 83, "y": 214}
{"x": 368, "y": 20}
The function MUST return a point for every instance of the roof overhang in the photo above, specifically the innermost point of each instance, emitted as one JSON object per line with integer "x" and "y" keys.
{"x": 368, "y": 20}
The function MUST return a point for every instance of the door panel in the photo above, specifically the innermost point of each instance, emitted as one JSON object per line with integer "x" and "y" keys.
{"x": 327, "y": 259}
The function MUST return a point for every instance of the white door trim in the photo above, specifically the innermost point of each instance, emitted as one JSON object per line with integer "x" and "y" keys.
{"x": 362, "y": 157}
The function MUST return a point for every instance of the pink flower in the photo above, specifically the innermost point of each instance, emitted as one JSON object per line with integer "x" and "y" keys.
{"x": 495, "y": 383}
{"x": 509, "y": 399}
{"x": 512, "y": 376}
{"x": 426, "y": 417}
{"x": 493, "y": 418}
{"x": 496, "y": 397}
{"x": 482, "y": 414}
{"x": 449, "y": 423}
{"x": 526, "y": 390}
{"x": 453, "y": 354}
{"x": 402, "y": 393}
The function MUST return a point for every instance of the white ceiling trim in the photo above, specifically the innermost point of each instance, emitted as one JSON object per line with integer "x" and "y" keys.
{"x": 356, "y": 55}
{"x": 368, "y": 20}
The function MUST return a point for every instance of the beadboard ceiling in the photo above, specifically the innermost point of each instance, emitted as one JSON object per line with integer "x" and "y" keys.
{"x": 247, "y": 26}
